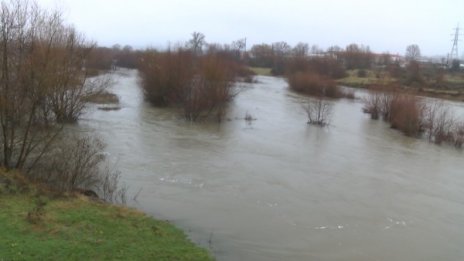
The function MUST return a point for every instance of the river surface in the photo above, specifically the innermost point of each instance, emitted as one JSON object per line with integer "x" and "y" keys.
{"x": 277, "y": 188}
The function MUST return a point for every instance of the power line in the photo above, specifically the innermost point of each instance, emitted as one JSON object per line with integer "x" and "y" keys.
{"x": 454, "y": 54}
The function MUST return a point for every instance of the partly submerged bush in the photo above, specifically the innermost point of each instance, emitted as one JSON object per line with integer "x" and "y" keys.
{"x": 313, "y": 84}
{"x": 166, "y": 75}
{"x": 403, "y": 112}
{"x": 318, "y": 110}
{"x": 440, "y": 124}
{"x": 414, "y": 116}
{"x": 199, "y": 85}
{"x": 406, "y": 114}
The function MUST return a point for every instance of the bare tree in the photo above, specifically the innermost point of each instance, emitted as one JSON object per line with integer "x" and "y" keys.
{"x": 239, "y": 47}
{"x": 240, "y": 44}
{"x": 197, "y": 42}
{"x": 281, "y": 49}
{"x": 413, "y": 52}
{"x": 357, "y": 56}
{"x": 300, "y": 50}
{"x": 42, "y": 80}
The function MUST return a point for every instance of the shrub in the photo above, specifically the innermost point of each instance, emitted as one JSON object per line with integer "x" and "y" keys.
{"x": 165, "y": 75}
{"x": 438, "y": 122}
{"x": 403, "y": 112}
{"x": 414, "y": 74}
{"x": 313, "y": 84}
{"x": 379, "y": 104}
{"x": 459, "y": 135}
{"x": 75, "y": 164}
{"x": 318, "y": 111}
{"x": 406, "y": 114}
{"x": 209, "y": 90}
{"x": 199, "y": 85}
{"x": 373, "y": 105}
{"x": 413, "y": 116}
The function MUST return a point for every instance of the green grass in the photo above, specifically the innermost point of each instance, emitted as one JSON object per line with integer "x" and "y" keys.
{"x": 456, "y": 78}
{"x": 261, "y": 71}
{"x": 353, "y": 80}
{"x": 79, "y": 229}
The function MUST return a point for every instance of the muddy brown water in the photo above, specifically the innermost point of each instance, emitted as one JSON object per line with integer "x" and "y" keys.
{"x": 278, "y": 189}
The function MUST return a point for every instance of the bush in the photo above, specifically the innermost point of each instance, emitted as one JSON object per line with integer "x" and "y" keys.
{"x": 406, "y": 114}
{"x": 414, "y": 116}
{"x": 209, "y": 90}
{"x": 75, "y": 164}
{"x": 199, "y": 85}
{"x": 313, "y": 84}
{"x": 459, "y": 135}
{"x": 165, "y": 75}
{"x": 438, "y": 122}
{"x": 373, "y": 105}
{"x": 403, "y": 112}
{"x": 318, "y": 111}
{"x": 379, "y": 104}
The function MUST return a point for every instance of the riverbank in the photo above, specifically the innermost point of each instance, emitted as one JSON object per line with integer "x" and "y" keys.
{"x": 451, "y": 89}
{"x": 36, "y": 225}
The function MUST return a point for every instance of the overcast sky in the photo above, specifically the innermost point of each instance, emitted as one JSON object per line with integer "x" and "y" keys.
{"x": 384, "y": 25}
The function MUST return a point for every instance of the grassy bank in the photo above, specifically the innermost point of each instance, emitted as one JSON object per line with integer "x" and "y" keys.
{"x": 352, "y": 79}
{"x": 34, "y": 227}
{"x": 261, "y": 71}
{"x": 452, "y": 89}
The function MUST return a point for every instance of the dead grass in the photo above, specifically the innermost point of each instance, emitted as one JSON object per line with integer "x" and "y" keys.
{"x": 372, "y": 78}
{"x": 261, "y": 71}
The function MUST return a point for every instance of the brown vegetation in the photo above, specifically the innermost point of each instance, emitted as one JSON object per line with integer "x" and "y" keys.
{"x": 406, "y": 113}
{"x": 313, "y": 84}
{"x": 199, "y": 84}
{"x": 326, "y": 66}
{"x": 439, "y": 123}
{"x": 319, "y": 111}
{"x": 403, "y": 112}
{"x": 415, "y": 116}
{"x": 43, "y": 84}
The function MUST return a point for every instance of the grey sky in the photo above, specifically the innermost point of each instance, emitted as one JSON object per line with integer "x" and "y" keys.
{"x": 384, "y": 25}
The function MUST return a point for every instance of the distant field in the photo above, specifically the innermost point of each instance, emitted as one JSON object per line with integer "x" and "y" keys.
{"x": 261, "y": 71}
{"x": 455, "y": 79}
{"x": 353, "y": 80}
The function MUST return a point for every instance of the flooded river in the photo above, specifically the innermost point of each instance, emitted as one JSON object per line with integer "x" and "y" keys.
{"x": 279, "y": 189}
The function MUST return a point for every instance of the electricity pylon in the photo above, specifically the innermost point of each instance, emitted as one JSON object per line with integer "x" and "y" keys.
{"x": 454, "y": 54}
